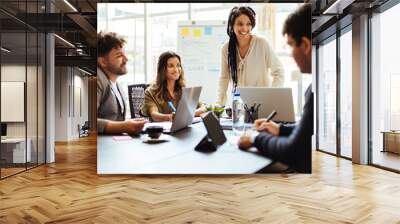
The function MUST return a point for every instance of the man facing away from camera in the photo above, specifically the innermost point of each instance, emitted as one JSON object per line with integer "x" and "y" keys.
{"x": 290, "y": 144}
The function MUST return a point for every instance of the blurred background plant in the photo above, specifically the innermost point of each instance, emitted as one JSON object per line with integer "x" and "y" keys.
{"x": 216, "y": 109}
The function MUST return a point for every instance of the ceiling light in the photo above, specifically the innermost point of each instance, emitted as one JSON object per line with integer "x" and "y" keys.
{"x": 5, "y": 50}
{"x": 79, "y": 51}
{"x": 70, "y": 5}
{"x": 84, "y": 71}
{"x": 332, "y": 8}
{"x": 338, "y": 6}
{"x": 64, "y": 40}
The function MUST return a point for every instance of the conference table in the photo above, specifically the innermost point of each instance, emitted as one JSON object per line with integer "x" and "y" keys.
{"x": 130, "y": 155}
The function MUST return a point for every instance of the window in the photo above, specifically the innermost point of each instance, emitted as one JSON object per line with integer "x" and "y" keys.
{"x": 346, "y": 94}
{"x": 162, "y": 33}
{"x": 327, "y": 96}
{"x": 385, "y": 84}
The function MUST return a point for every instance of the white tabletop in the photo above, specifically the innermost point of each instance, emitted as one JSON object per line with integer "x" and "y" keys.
{"x": 177, "y": 156}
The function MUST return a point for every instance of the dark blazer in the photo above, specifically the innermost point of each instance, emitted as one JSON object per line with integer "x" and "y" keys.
{"x": 293, "y": 145}
{"x": 108, "y": 107}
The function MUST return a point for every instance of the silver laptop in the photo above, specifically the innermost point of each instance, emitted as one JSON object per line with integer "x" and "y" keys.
{"x": 184, "y": 113}
{"x": 279, "y": 99}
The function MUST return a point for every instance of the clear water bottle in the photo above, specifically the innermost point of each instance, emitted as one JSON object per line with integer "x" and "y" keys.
{"x": 237, "y": 114}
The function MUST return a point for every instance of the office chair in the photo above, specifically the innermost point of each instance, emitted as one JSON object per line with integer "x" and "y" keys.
{"x": 136, "y": 98}
{"x": 84, "y": 129}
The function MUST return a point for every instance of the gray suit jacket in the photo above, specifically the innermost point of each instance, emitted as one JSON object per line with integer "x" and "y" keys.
{"x": 107, "y": 104}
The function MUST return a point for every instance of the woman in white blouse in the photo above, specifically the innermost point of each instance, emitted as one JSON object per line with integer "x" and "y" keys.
{"x": 247, "y": 59}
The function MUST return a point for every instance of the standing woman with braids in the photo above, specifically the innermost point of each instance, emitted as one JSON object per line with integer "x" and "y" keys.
{"x": 247, "y": 59}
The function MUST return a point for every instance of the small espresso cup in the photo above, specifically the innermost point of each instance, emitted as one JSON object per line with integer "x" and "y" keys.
{"x": 154, "y": 131}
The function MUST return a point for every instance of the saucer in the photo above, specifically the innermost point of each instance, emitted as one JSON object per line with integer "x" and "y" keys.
{"x": 147, "y": 139}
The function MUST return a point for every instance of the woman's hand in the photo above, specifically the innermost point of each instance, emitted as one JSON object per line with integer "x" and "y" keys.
{"x": 200, "y": 111}
{"x": 159, "y": 117}
{"x": 169, "y": 117}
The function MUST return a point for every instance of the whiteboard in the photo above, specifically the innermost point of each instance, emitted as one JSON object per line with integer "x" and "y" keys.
{"x": 199, "y": 45}
{"x": 12, "y": 101}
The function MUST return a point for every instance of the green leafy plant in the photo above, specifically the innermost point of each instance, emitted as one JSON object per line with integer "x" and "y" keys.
{"x": 216, "y": 109}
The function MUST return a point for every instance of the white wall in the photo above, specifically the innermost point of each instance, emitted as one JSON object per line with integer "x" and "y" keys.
{"x": 81, "y": 108}
{"x": 71, "y": 102}
{"x": 14, "y": 73}
{"x": 61, "y": 104}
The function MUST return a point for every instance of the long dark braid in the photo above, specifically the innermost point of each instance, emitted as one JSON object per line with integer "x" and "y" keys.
{"x": 232, "y": 52}
{"x": 232, "y": 47}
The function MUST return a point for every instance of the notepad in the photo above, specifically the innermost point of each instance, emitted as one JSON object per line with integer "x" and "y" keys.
{"x": 122, "y": 137}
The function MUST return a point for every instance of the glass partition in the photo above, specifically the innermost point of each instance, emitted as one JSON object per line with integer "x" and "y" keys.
{"x": 13, "y": 92}
{"x": 22, "y": 89}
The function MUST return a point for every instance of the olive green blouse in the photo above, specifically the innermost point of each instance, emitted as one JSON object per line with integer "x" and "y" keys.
{"x": 152, "y": 100}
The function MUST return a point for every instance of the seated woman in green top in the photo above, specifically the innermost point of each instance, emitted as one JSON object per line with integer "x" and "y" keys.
{"x": 166, "y": 88}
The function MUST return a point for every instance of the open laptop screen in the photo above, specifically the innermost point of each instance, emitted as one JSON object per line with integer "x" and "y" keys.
{"x": 278, "y": 99}
{"x": 184, "y": 113}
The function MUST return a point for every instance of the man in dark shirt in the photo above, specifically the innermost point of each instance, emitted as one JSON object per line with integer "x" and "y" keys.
{"x": 290, "y": 144}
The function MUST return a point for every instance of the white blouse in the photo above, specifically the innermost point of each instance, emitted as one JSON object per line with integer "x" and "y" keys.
{"x": 256, "y": 69}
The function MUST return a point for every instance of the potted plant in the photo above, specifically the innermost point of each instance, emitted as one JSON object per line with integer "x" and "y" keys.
{"x": 216, "y": 109}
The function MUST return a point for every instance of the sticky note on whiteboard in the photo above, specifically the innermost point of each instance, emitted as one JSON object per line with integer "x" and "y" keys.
{"x": 185, "y": 32}
{"x": 197, "y": 32}
{"x": 208, "y": 30}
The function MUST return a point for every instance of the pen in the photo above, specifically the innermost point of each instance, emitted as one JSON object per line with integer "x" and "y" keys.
{"x": 171, "y": 105}
{"x": 271, "y": 115}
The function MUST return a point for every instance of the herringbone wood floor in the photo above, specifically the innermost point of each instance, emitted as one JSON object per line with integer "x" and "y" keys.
{"x": 70, "y": 191}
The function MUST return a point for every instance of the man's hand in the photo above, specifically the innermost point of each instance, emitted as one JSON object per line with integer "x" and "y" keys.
{"x": 134, "y": 126}
{"x": 259, "y": 122}
{"x": 245, "y": 141}
{"x": 270, "y": 126}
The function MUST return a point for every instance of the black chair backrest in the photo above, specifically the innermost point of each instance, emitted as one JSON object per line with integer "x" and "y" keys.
{"x": 86, "y": 125}
{"x": 136, "y": 98}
